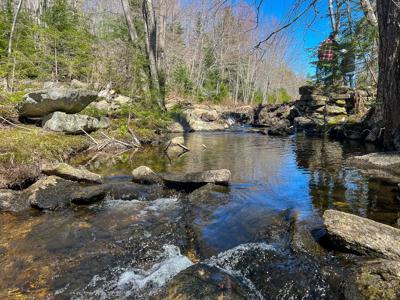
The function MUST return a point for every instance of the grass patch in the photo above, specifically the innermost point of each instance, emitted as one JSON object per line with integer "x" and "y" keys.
{"x": 7, "y": 104}
{"x": 94, "y": 112}
{"x": 22, "y": 146}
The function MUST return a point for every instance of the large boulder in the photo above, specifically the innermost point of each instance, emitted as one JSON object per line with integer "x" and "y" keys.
{"x": 66, "y": 171}
{"x": 359, "y": 235}
{"x": 73, "y": 124}
{"x": 42, "y": 103}
{"x": 191, "y": 181}
{"x": 270, "y": 115}
{"x": 145, "y": 175}
{"x": 202, "y": 118}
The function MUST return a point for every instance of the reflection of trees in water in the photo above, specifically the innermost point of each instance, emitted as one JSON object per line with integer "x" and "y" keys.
{"x": 250, "y": 157}
{"x": 335, "y": 185}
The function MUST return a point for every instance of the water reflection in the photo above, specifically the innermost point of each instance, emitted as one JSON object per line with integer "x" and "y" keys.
{"x": 305, "y": 174}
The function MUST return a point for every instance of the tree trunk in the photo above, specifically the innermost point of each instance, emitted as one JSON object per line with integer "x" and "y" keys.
{"x": 369, "y": 12}
{"x": 129, "y": 20}
{"x": 335, "y": 18}
{"x": 161, "y": 37}
{"x": 389, "y": 69}
{"x": 10, "y": 41}
{"x": 150, "y": 28}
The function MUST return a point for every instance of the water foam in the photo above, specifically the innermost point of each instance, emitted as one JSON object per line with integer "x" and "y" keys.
{"x": 158, "y": 275}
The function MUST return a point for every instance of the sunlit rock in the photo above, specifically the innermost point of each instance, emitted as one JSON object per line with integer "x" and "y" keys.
{"x": 197, "y": 179}
{"x": 42, "y": 103}
{"x": 145, "y": 175}
{"x": 66, "y": 171}
{"x": 360, "y": 235}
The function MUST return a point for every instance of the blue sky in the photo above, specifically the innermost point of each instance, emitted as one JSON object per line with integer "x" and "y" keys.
{"x": 304, "y": 37}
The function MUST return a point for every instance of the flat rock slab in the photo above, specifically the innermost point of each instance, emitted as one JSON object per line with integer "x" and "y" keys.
{"x": 362, "y": 236}
{"x": 191, "y": 181}
{"x": 388, "y": 161}
{"x": 42, "y": 103}
{"x": 68, "y": 172}
{"x": 52, "y": 193}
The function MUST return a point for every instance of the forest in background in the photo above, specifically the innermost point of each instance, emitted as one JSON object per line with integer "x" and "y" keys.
{"x": 210, "y": 50}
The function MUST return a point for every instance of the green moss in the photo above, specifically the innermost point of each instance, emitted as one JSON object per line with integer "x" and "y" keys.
{"x": 22, "y": 146}
{"x": 336, "y": 120}
{"x": 11, "y": 98}
{"x": 94, "y": 112}
{"x": 373, "y": 287}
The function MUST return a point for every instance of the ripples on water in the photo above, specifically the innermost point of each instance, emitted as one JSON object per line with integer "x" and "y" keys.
{"x": 272, "y": 178}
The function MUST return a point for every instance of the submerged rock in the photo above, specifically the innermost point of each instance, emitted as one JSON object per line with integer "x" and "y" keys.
{"x": 275, "y": 274}
{"x": 88, "y": 194}
{"x": 73, "y": 124}
{"x": 42, "y": 103}
{"x": 362, "y": 236}
{"x": 202, "y": 281}
{"x": 195, "y": 180}
{"x": 376, "y": 279}
{"x": 176, "y": 146}
{"x": 66, "y": 171}
{"x": 145, "y": 175}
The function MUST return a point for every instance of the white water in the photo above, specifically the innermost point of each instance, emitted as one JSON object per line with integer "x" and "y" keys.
{"x": 158, "y": 275}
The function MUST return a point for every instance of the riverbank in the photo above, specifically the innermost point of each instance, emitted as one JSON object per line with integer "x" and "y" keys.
{"x": 35, "y": 129}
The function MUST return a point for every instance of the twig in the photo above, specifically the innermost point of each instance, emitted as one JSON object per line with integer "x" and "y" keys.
{"x": 286, "y": 25}
{"x": 117, "y": 141}
{"x": 183, "y": 147}
{"x": 15, "y": 125}
{"x": 94, "y": 141}
{"x": 135, "y": 140}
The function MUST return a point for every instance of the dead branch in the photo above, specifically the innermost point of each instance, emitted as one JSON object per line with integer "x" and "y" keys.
{"x": 15, "y": 125}
{"x": 294, "y": 20}
{"x": 135, "y": 140}
{"x": 87, "y": 134}
{"x": 117, "y": 141}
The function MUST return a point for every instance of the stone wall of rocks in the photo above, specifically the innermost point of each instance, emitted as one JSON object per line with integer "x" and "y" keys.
{"x": 320, "y": 109}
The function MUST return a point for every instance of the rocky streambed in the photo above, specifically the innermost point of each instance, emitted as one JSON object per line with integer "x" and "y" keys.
{"x": 239, "y": 216}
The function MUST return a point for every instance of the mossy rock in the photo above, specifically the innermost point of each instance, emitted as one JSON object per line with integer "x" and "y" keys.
{"x": 341, "y": 102}
{"x": 336, "y": 120}
{"x": 374, "y": 280}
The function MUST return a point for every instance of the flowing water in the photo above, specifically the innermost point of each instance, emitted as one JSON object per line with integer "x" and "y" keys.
{"x": 129, "y": 248}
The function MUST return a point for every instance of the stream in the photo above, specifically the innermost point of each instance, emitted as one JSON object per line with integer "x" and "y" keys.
{"x": 131, "y": 248}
